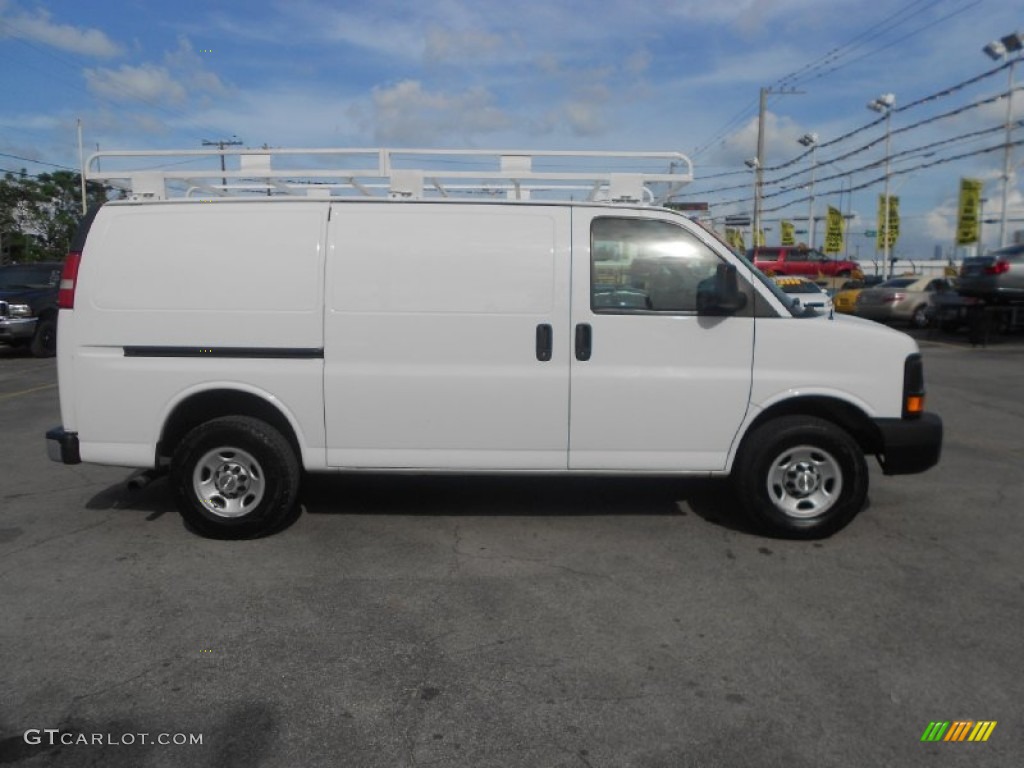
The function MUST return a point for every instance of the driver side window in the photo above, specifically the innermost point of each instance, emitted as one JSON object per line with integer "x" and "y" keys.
{"x": 646, "y": 265}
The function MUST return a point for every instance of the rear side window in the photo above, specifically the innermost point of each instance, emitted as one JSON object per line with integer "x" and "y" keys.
{"x": 26, "y": 276}
{"x": 647, "y": 265}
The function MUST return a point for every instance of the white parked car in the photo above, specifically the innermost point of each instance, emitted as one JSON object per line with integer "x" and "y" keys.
{"x": 805, "y": 293}
{"x": 237, "y": 342}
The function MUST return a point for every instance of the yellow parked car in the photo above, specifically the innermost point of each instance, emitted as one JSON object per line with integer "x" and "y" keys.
{"x": 845, "y": 298}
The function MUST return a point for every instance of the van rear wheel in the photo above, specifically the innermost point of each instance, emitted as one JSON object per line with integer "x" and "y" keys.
{"x": 234, "y": 477}
{"x": 801, "y": 477}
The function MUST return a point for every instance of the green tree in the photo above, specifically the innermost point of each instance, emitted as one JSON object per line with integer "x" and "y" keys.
{"x": 39, "y": 215}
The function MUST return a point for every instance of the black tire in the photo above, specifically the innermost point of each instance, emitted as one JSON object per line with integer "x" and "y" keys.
{"x": 800, "y": 477}
{"x": 235, "y": 477}
{"x": 44, "y": 342}
{"x": 920, "y": 317}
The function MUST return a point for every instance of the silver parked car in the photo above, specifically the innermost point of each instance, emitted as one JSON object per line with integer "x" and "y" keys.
{"x": 997, "y": 277}
{"x": 902, "y": 299}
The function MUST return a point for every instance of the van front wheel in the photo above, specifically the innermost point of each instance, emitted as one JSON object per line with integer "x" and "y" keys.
{"x": 801, "y": 477}
{"x": 234, "y": 477}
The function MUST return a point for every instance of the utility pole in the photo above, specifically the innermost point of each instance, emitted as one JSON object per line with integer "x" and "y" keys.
{"x": 234, "y": 141}
{"x": 759, "y": 170}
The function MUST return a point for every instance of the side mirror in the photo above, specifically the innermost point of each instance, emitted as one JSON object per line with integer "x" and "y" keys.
{"x": 721, "y": 295}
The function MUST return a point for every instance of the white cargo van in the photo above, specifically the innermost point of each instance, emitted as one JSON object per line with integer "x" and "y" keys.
{"x": 239, "y": 339}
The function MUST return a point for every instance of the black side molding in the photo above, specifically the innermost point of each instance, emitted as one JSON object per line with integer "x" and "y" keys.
{"x": 291, "y": 353}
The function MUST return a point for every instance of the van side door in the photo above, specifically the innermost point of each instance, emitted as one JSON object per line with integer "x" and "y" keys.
{"x": 444, "y": 336}
{"x": 654, "y": 385}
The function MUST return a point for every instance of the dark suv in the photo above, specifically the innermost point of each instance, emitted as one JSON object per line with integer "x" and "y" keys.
{"x": 997, "y": 277}
{"x": 28, "y": 306}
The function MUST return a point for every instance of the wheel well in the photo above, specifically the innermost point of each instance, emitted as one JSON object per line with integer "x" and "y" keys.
{"x": 213, "y": 404}
{"x": 842, "y": 414}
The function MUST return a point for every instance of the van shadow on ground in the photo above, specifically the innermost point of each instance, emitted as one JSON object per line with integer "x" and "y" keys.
{"x": 484, "y": 496}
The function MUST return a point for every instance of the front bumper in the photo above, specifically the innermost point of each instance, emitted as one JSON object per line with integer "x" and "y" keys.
{"x": 15, "y": 329}
{"x": 910, "y": 445}
{"x": 62, "y": 446}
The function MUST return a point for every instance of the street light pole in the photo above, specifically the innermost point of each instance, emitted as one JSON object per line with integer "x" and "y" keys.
{"x": 884, "y": 103}
{"x": 996, "y": 50}
{"x": 810, "y": 140}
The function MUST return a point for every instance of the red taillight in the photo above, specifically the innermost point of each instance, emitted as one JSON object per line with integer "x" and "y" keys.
{"x": 894, "y": 297}
{"x": 68, "y": 281}
{"x": 998, "y": 268}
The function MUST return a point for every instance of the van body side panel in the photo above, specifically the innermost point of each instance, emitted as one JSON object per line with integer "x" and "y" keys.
{"x": 662, "y": 391}
{"x": 182, "y": 297}
{"x": 830, "y": 362}
{"x": 431, "y": 358}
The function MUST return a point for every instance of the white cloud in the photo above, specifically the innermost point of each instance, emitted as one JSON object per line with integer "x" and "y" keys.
{"x": 38, "y": 27}
{"x": 584, "y": 118}
{"x": 182, "y": 74}
{"x": 444, "y": 45}
{"x": 190, "y": 66}
{"x": 146, "y": 83}
{"x": 407, "y": 114}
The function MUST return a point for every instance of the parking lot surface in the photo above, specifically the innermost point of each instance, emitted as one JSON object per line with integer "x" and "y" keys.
{"x": 516, "y": 622}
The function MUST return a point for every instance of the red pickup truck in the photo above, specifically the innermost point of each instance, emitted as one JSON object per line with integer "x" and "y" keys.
{"x": 793, "y": 260}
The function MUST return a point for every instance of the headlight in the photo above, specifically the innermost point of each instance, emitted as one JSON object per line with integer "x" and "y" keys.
{"x": 19, "y": 310}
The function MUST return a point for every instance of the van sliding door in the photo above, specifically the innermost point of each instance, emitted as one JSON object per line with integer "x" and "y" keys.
{"x": 444, "y": 336}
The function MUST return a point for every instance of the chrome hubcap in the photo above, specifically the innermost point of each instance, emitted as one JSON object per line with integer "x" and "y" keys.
{"x": 229, "y": 482}
{"x": 804, "y": 481}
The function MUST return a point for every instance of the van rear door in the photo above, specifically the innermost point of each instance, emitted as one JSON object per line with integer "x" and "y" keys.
{"x": 654, "y": 386}
{"x": 445, "y": 336}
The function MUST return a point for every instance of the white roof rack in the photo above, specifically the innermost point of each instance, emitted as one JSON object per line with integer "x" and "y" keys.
{"x": 633, "y": 177}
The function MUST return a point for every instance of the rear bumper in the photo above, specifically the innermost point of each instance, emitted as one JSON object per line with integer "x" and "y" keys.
{"x": 62, "y": 446}
{"x": 910, "y": 445}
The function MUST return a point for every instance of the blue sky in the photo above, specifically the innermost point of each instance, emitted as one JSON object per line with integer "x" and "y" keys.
{"x": 678, "y": 75}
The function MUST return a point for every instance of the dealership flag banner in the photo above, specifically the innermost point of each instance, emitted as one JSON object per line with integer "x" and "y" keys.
{"x": 834, "y": 233}
{"x": 734, "y": 237}
{"x": 894, "y": 221}
{"x": 967, "y": 220}
{"x": 787, "y": 233}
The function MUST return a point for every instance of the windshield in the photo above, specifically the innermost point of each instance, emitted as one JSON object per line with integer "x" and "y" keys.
{"x": 21, "y": 277}
{"x": 792, "y": 303}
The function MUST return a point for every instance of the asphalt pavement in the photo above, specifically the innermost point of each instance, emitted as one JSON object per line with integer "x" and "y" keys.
{"x": 516, "y": 622}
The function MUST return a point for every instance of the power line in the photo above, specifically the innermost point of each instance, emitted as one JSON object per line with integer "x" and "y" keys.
{"x": 893, "y": 42}
{"x": 893, "y": 20}
{"x": 863, "y": 148}
{"x": 852, "y": 44}
{"x": 38, "y": 162}
{"x": 901, "y": 172}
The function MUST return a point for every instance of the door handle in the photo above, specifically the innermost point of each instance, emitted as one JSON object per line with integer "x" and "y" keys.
{"x": 583, "y": 341}
{"x": 544, "y": 337}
